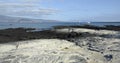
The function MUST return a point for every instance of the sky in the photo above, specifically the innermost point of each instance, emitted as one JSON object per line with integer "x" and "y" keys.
{"x": 63, "y": 10}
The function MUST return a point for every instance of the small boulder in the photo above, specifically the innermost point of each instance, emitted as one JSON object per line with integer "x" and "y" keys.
{"x": 108, "y": 57}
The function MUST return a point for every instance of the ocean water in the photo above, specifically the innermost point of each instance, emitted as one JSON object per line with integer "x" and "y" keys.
{"x": 43, "y": 25}
{"x": 47, "y": 25}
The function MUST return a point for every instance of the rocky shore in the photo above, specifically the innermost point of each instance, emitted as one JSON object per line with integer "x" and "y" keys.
{"x": 62, "y": 44}
{"x": 20, "y": 34}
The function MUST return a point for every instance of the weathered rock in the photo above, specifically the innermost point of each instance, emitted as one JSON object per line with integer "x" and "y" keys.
{"x": 77, "y": 59}
{"x": 108, "y": 57}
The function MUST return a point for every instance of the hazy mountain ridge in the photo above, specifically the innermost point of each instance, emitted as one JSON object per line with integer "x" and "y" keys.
{"x": 4, "y": 18}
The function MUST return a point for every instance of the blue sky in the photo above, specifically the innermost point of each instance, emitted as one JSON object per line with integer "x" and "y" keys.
{"x": 63, "y": 10}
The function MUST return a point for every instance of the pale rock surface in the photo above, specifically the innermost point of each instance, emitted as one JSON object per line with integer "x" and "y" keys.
{"x": 79, "y": 30}
{"x": 47, "y": 51}
{"x": 96, "y": 49}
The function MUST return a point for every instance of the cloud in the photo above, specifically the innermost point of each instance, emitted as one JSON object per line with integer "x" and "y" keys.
{"x": 24, "y": 8}
{"x": 35, "y": 12}
{"x": 21, "y": 1}
{"x": 15, "y": 5}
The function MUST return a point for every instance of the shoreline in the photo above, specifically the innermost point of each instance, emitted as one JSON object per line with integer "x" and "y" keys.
{"x": 71, "y": 44}
{"x": 21, "y": 34}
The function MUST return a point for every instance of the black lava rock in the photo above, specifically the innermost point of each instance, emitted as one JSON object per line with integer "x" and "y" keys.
{"x": 108, "y": 57}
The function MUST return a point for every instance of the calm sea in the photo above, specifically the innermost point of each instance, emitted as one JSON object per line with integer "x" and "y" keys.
{"x": 47, "y": 25}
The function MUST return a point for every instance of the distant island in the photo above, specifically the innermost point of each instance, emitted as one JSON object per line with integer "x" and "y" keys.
{"x": 4, "y": 18}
